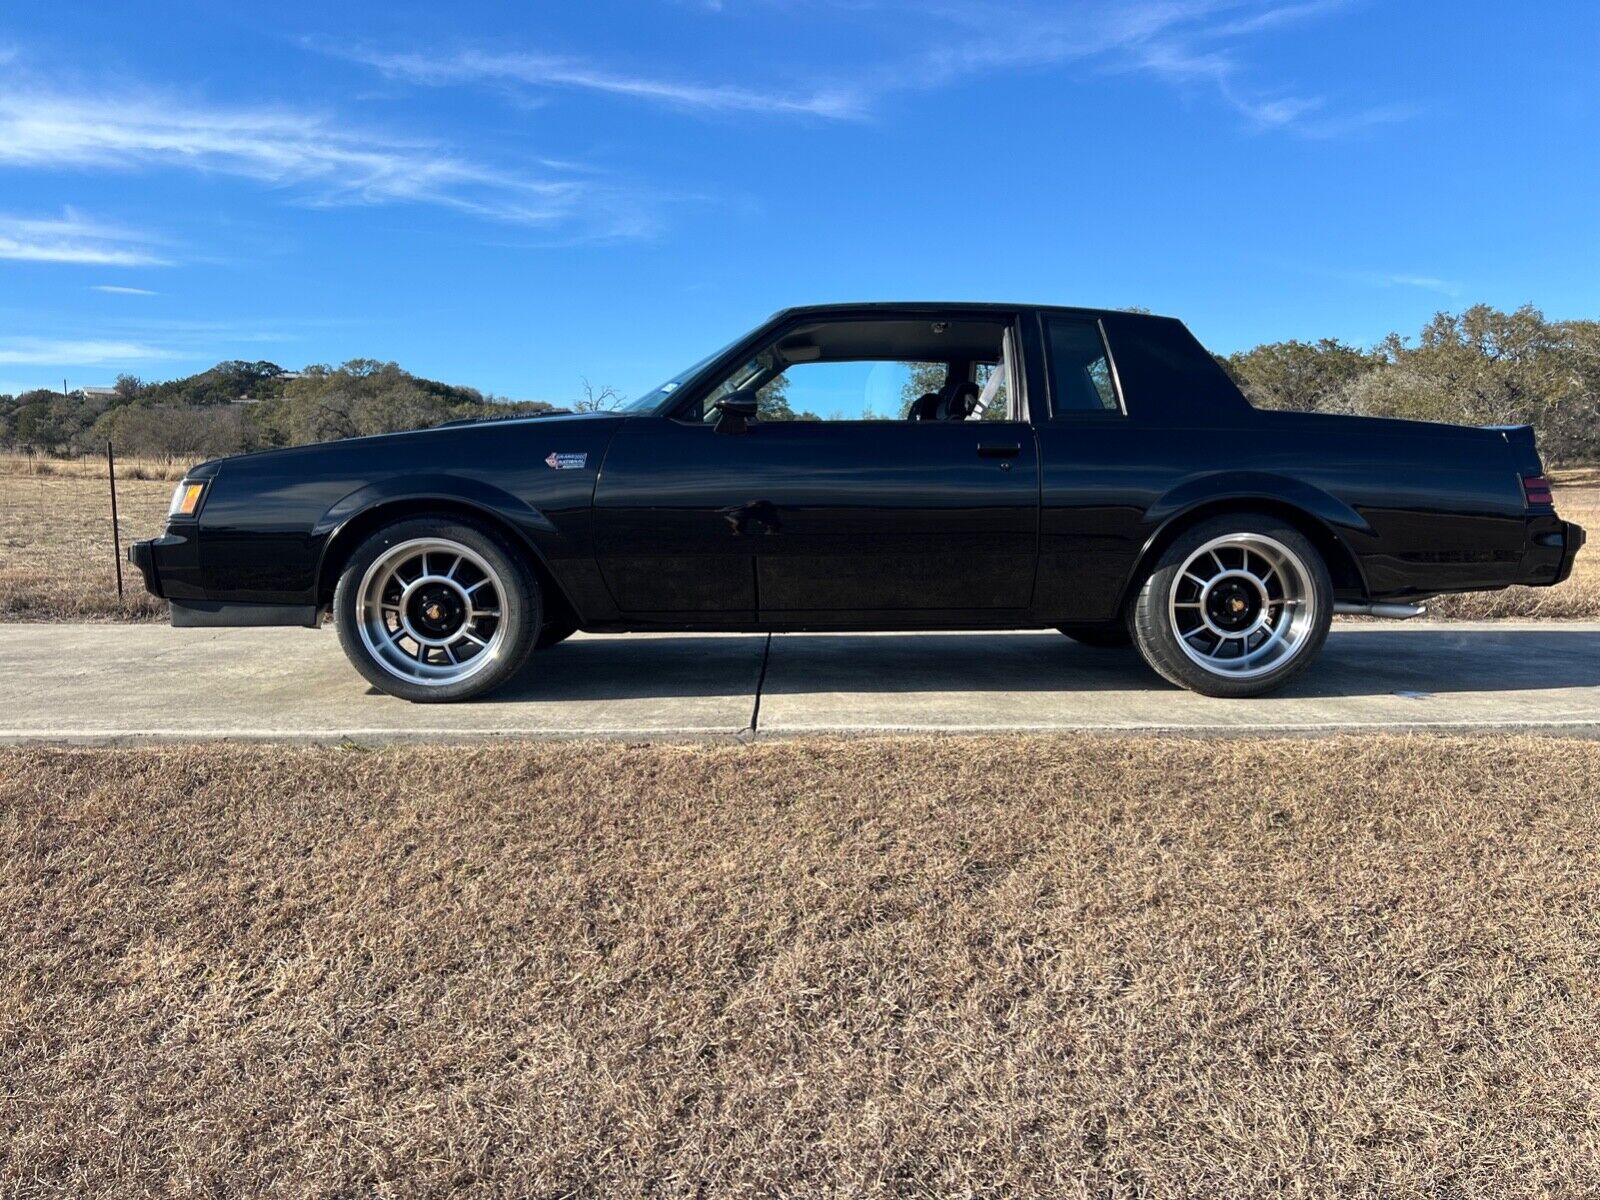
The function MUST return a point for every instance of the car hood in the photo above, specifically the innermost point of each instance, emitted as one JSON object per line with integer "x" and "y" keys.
{"x": 445, "y": 430}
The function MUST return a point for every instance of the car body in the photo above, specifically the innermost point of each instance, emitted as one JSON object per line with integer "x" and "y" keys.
{"x": 1115, "y": 434}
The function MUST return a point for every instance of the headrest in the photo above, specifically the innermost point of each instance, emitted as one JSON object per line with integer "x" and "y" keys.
{"x": 963, "y": 402}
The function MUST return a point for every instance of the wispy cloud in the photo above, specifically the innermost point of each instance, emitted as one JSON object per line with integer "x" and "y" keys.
{"x": 1195, "y": 44}
{"x": 73, "y": 238}
{"x": 550, "y": 71}
{"x": 328, "y": 162}
{"x": 1276, "y": 15}
{"x": 116, "y": 290}
{"x": 1427, "y": 283}
{"x": 47, "y": 352}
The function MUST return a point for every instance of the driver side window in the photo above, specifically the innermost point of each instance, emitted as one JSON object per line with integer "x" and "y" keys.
{"x": 862, "y": 371}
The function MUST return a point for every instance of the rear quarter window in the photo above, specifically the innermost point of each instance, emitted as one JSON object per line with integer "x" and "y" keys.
{"x": 1080, "y": 370}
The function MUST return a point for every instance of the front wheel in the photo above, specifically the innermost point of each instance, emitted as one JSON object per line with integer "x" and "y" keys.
{"x": 554, "y": 633}
{"x": 1102, "y": 637}
{"x": 434, "y": 609}
{"x": 1237, "y": 606}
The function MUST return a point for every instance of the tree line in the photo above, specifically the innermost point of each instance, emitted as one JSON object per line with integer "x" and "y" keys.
{"x": 1481, "y": 366}
{"x": 239, "y": 406}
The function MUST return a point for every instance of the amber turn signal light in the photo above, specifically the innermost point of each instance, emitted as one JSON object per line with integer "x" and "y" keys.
{"x": 186, "y": 499}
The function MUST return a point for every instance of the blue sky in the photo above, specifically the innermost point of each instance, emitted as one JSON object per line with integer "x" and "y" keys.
{"x": 518, "y": 196}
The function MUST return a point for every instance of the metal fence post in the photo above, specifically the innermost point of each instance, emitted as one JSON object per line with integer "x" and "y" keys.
{"x": 116, "y": 532}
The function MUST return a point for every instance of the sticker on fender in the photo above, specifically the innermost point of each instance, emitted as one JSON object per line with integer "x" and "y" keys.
{"x": 566, "y": 462}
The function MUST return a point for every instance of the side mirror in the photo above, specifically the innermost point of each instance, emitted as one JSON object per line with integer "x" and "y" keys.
{"x": 736, "y": 410}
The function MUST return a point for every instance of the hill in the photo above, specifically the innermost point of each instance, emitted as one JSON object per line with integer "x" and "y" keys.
{"x": 237, "y": 406}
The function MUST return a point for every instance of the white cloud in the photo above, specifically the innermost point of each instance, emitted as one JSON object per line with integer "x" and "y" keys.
{"x": 1184, "y": 43}
{"x": 114, "y": 290}
{"x": 1427, "y": 283}
{"x": 1274, "y": 16}
{"x": 542, "y": 70}
{"x": 47, "y": 352}
{"x": 329, "y": 162}
{"x": 73, "y": 238}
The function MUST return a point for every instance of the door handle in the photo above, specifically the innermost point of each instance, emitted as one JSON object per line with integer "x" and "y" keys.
{"x": 999, "y": 449}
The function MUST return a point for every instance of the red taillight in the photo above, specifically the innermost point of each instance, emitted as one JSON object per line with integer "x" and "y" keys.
{"x": 1536, "y": 489}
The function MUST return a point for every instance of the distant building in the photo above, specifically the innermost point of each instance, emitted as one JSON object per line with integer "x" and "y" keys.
{"x": 98, "y": 393}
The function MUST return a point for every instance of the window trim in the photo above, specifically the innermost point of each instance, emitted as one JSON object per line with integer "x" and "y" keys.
{"x": 1080, "y": 415}
{"x": 701, "y": 386}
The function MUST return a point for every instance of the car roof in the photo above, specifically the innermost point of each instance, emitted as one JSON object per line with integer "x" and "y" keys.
{"x": 919, "y": 307}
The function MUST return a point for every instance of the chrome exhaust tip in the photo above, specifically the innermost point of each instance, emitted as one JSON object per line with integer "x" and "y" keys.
{"x": 1397, "y": 612}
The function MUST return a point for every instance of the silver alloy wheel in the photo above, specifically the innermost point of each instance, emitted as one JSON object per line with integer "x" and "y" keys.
{"x": 430, "y": 611}
{"x": 1242, "y": 605}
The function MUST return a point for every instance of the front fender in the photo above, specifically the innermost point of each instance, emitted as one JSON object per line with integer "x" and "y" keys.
{"x": 536, "y": 529}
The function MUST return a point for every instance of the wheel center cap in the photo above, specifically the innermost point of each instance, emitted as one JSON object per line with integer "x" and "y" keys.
{"x": 437, "y": 611}
{"x": 1232, "y": 605}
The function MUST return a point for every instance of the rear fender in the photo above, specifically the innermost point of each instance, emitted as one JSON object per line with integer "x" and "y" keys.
{"x": 1326, "y": 519}
{"x": 1202, "y": 490}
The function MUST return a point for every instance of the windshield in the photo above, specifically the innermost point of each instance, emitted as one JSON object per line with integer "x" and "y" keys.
{"x": 657, "y": 396}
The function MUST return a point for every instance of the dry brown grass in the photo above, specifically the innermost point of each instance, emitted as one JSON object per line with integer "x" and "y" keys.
{"x": 93, "y": 466}
{"x": 925, "y": 967}
{"x": 55, "y": 532}
{"x": 56, "y": 556}
{"x": 1577, "y": 499}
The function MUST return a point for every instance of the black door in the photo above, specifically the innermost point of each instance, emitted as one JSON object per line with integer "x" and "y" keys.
{"x": 831, "y": 518}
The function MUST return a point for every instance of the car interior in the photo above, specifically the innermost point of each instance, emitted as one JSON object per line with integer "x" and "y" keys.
{"x": 942, "y": 370}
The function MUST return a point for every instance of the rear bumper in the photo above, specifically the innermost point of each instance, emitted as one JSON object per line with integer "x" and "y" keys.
{"x": 1552, "y": 545}
{"x": 1573, "y": 538}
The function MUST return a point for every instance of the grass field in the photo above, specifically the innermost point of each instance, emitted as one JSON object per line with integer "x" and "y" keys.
{"x": 1102, "y": 967}
{"x": 56, "y": 559}
{"x": 55, "y": 532}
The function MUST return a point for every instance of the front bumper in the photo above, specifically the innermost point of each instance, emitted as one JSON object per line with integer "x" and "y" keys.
{"x": 143, "y": 555}
{"x": 171, "y": 569}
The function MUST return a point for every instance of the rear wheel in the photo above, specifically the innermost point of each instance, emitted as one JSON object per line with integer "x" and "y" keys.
{"x": 1237, "y": 606}
{"x": 436, "y": 609}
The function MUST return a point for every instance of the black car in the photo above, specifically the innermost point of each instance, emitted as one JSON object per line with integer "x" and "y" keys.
{"x": 876, "y": 466}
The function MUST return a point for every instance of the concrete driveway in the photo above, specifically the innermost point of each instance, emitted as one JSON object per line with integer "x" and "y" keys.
{"x": 117, "y": 683}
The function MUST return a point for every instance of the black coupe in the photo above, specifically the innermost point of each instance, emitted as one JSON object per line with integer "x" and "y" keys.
{"x": 875, "y": 466}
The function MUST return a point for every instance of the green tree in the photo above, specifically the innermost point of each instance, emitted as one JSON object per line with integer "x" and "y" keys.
{"x": 1305, "y": 376}
{"x": 772, "y": 402}
{"x": 197, "y": 431}
{"x": 921, "y": 378}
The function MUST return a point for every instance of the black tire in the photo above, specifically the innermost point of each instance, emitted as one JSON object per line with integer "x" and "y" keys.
{"x": 554, "y": 633}
{"x": 1101, "y": 637}
{"x": 1282, "y": 652}
{"x": 519, "y": 610}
